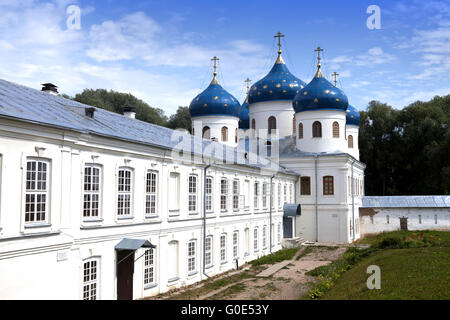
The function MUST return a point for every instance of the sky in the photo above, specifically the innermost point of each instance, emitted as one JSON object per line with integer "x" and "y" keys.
{"x": 161, "y": 50}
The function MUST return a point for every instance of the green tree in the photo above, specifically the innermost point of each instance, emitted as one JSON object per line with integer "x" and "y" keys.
{"x": 181, "y": 119}
{"x": 116, "y": 101}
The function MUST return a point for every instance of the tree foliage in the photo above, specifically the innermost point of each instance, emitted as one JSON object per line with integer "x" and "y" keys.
{"x": 407, "y": 152}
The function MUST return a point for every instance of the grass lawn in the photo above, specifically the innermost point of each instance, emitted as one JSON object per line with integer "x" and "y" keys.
{"x": 413, "y": 264}
{"x": 417, "y": 273}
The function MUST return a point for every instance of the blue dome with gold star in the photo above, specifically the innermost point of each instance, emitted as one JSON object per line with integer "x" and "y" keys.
{"x": 320, "y": 94}
{"x": 215, "y": 101}
{"x": 244, "y": 119}
{"x": 278, "y": 84}
{"x": 353, "y": 116}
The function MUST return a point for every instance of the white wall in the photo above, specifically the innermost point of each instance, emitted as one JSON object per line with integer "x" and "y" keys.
{"x": 375, "y": 220}
{"x": 215, "y": 123}
{"x": 280, "y": 109}
{"x": 326, "y": 143}
{"x": 28, "y": 256}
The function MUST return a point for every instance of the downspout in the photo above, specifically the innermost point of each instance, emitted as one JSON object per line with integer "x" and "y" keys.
{"x": 204, "y": 220}
{"x": 316, "y": 198}
{"x": 270, "y": 214}
{"x": 353, "y": 204}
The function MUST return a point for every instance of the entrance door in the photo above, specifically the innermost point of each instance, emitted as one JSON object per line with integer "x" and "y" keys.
{"x": 125, "y": 271}
{"x": 287, "y": 227}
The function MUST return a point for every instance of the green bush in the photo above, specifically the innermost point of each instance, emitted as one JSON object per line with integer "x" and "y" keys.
{"x": 281, "y": 255}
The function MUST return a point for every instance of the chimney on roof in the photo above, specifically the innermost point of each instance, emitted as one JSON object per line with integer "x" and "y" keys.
{"x": 129, "y": 112}
{"x": 50, "y": 88}
{"x": 89, "y": 112}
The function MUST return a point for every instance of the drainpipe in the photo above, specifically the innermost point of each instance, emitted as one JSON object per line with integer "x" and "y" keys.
{"x": 270, "y": 214}
{"x": 204, "y": 219}
{"x": 317, "y": 190}
{"x": 353, "y": 204}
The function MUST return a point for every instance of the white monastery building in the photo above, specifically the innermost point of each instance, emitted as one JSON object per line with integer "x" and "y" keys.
{"x": 98, "y": 205}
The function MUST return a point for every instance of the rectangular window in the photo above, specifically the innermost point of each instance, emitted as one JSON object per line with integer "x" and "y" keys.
{"x": 256, "y": 195}
{"x": 328, "y": 185}
{"x": 208, "y": 251}
{"x": 246, "y": 194}
{"x": 223, "y": 194}
{"x": 387, "y": 219}
{"x": 291, "y": 193}
{"x": 36, "y": 193}
{"x": 420, "y": 219}
{"x": 151, "y": 193}
{"x": 279, "y": 195}
{"x": 279, "y": 233}
{"x": 272, "y": 195}
{"x": 191, "y": 256}
{"x": 90, "y": 279}
{"x": 149, "y": 267}
{"x": 174, "y": 191}
{"x": 223, "y": 248}
{"x": 435, "y": 219}
{"x": 124, "y": 192}
{"x": 264, "y": 235}
{"x": 255, "y": 239}
{"x": 235, "y": 244}
{"x": 91, "y": 194}
{"x": 285, "y": 193}
{"x": 305, "y": 186}
{"x": 235, "y": 194}
{"x": 264, "y": 195}
{"x": 208, "y": 193}
{"x": 192, "y": 193}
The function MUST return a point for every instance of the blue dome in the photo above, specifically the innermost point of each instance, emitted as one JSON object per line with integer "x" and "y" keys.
{"x": 244, "y": 119}
{"x": 278, "y": 84}
{"x": 352, "y": 116}
{"x": 320, "y": 94}
{"x": 214, "y": 101}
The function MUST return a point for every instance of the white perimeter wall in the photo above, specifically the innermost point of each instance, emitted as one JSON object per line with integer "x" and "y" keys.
{"x": 375, "y": 220}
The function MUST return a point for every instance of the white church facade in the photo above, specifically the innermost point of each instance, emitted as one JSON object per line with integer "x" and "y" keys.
{"x": 95, "y": 205}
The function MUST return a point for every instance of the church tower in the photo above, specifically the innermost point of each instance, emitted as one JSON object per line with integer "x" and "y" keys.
{"x": 270, "y": 99}
{"x": 320, "y": 113}
{"x": 215, "y": 113}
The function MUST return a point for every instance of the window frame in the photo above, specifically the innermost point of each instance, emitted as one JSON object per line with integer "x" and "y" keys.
{"x": 87, "y": 218}
{"x": 255, "y": 239}
{"x": 192, "y": 256}
{"x": 124, "y": 193}
{"x": 317, "y": 129}
{"x": 326, "y": 185}
{"x": 305, "y": 183}
{"x": 192, "y": 193}
{"x": 236, "y": 193}
{"x": 335, "y": 129}
{"x": 300, "y": 130}
{"x": 35, "y": 192}
{"x": 209, "y": 252}
{"x": 149, "y": 268}
{"x": 209, "y": 196}
{"x": 224, "y": 194}
{"x": 224, "y": 133}
{"x": 91, "y": 281}
{"x": 223, "y": 248}
{"x": 150, "y": 194}
{"x": 236, "y": 244}
{"x": 350, "y": 141}
{"x": 256, "y": 193}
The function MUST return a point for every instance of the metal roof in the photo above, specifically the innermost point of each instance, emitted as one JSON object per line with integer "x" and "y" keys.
{"x": 406, "y": 202}
{"x": 31, "y": 105}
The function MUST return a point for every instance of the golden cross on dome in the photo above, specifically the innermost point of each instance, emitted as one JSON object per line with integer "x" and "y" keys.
{"x": 214, "y": 80}
{"x": 335, "y": 74}
{"x": 215, "y": 59}
{"x": 279, "y": 35}
{"x": 318, "y": 50}
{"x": 248, "y": 81}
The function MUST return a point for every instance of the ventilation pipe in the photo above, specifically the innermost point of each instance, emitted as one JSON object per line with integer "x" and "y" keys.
{"x": 129, "y": 112}
{"x": 50, "y": 88}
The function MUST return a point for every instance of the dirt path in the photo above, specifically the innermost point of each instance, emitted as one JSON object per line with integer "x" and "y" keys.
{"x": 289, "y": 283}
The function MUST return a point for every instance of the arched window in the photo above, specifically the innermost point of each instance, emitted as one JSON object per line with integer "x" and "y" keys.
{"x": 236, "y": 136}
{"x": 317, "y": 129}
{"x": 206, "y": 132}
{"x": 350, "y": 141}
{"x": 300, "y": 130}
{"x": 272, "y": 125}
{"x": 224, "y": 134}
{"x": 293, "y": 125}
{"x": 335, "y": 130}
{"x": 253, "y": 124}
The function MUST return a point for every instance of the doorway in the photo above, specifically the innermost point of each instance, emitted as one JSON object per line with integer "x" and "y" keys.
{"x": 125, "y": 270}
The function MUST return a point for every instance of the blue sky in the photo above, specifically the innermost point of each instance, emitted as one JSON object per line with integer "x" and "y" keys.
{"x": 161, "y": 50}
